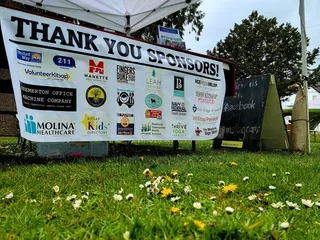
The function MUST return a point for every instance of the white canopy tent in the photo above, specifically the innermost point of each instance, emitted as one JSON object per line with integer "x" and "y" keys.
{"x": 119, "y": 15}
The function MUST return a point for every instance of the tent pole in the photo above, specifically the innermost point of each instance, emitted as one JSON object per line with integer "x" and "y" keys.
{"x": 304, "y": 69}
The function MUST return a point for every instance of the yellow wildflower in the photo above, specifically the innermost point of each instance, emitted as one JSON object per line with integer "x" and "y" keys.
{"x": 169, "y": 179}
{"x": 166, "y": 192}
{"x": 233, "y": 164}
{"x": 175, "y": 210}
{"x": 148, "y": 173}
{"x": 220, "y": 164}
{"x": 199, "y": 224}
{"x": 185, "y": 224}
{"x": 174, "y": 172}
{"x": 229, "y": 188}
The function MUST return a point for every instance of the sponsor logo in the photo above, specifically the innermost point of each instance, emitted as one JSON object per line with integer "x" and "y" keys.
{"x": 155, "y": 129}
{"x": 48, "y": 98}
{"x": 205, "y": 84}
{"x": 178, "y": 87}
{"x": 194, "y": 108}
{"x": 47, "y": 127}
{"x": 202, "y": 109}
{"x": 206, "y": 97}
{"x": 126, "y": 74}
{"x": 96, "y": 96}
{"x": 205, "y": 119}
{"x": 153, "y": 101}
{"x": 47, "y": 75}
{"x": 178, "y": 108}
{"x": 153, "y": 114}
{"x": 96, "y": 71}
{"x": 154, "y": 78}
{"x": 64, "y": 62}
{"x": 198, "y": 131}
{"x": 125, "y": 97}
{"x": 27, "y": 56}
{"x": 179, "y": 129}
{"x": 94, "y": 125}
{"x": 125, "y": 125}
{"x": 210, "y": 131}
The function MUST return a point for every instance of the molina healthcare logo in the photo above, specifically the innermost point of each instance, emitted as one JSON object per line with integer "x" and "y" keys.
{"x": 47, "y": 75}
{"x": 27, "y": 56}
{"x": 47, "y": 127}
{"x": 95, "y": 125}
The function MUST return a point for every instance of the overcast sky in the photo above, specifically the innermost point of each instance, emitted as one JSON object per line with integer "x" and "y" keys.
{"x": 221, "y": 15}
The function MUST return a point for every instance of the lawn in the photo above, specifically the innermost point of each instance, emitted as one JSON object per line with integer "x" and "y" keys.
{"x": 182, "y": 196}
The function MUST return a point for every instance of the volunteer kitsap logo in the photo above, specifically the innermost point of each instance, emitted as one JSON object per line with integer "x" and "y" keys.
{"x": 96, "y": 71}
{"x": 47, "y": 127}
{"x": 27, "y": 56}
{"x": 47, "y": 75}
{"x": 96, "y": 96}
{"x": 94, "y": 125}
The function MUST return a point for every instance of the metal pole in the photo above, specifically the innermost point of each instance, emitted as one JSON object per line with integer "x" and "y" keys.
{"x": 304, "y": 68}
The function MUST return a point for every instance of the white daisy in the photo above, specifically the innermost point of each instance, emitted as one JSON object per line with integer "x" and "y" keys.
{"x": 174, "y": 199}
{"x": 56, "y": 188}
{"x": 126, "y": 235}
{"x": 287, "y": 173}
{"x": 246, "y": 178}
{"x": 274, "y": 175}
{"x": 147, "y": 184}
{"x": 318, "y": 204}
{"x": 187, "y": 189}
{"x": 76, "y": 204}
{"x": 117, "y": 197}
{"x": 56, "y": 200}
{"x": 120, "y": 191}
{"x": 252, "y": 197}
{"x": 189, "y": 175}
{"x": 71, "y": 198}
{"x": 292, "y": 205}
{"x": 277, "y": 205}
{"x": 222, "y": 183}
{"x": 146, "y": 171}
{"x": 261, "y": 209}
{"x": 229, "y": 210}
{"x": 176, "y": 180}
{"x": 272, "y": 187}
{"x": 213, "y": 198}
{"x": 33, "y": 200}
{"x": 129, "y": 197}
{"x": 8, "y": 196}
{"x": 197, "y": 205}
{"x": 298, "y": 185}
{"x": 141, "y": 186}
{"x": 84, "y": 197}
{"x": 284, "y": 225}
{"x": 215, "y": 213}
{"x": 307, "y": 203}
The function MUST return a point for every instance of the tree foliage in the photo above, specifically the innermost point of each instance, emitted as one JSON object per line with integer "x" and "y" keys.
{"x": 260, "y": 46}
{"x": 187, "y": 17}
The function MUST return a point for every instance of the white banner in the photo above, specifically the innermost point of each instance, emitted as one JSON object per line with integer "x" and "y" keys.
{"x": 73, "y": 83}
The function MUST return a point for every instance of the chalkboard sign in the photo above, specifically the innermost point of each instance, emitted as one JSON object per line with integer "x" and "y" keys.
{"x": 243, "y": 115}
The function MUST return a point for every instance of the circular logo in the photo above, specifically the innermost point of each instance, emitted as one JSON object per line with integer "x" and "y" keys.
{"x": 96, "y": 96}
{"x": 125, "y": 122}
{"x": 153, "y": 101}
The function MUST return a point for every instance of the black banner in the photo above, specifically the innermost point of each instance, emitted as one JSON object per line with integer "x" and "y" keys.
{"x": 48, "y": 98}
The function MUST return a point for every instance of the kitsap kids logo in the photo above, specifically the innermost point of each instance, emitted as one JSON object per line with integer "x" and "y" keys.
{"x": 64, "y": 62}
{"x": 94, "y": 125}
{"x": 47, "y": 127}
{"x": 29, "y": 58}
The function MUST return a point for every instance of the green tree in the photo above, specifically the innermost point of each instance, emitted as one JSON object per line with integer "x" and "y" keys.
{"x": 187, "y": 17}
{"x": 260, "y": 46}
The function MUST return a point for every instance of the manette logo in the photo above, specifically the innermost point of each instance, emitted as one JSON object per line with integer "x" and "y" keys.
{"x": 96, "y": 67}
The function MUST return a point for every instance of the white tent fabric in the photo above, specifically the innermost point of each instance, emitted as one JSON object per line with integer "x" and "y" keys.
{"x": 119, "y": 15}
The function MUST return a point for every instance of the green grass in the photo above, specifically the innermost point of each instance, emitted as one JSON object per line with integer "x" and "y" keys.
{"x": 148, "y": 216}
